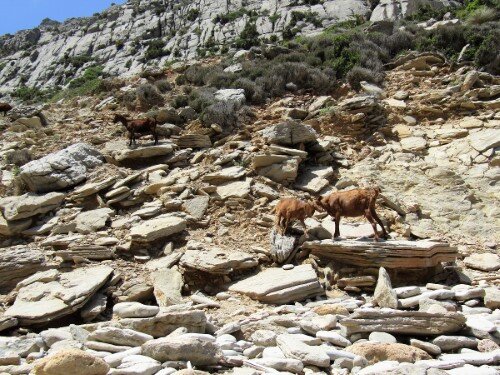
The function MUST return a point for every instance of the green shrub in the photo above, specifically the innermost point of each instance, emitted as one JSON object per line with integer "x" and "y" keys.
{"x": 90, "y": 74}
{"x": 358, "y": 74}
{"x": 163, "y": 85}
{"x": 155, "y": 50}
{"x": 201, "y": 98}
{"x": 2, "y": 66}
{"x": 482, "y": 15}
{"x": 149, "y": 96}
{"x": 78, "y": 61}
{"x": 224, "y": 114}
{"x": 28, "y": 94}
{"x": 249, "y": 36}
{"x": 180, "y": 101}
{"x": 253, "y": 92}
{"x": 192, "y": 14}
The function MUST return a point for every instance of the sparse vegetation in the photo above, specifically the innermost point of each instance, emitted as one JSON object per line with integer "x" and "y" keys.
{"x": 149, "y": 96}
{"x": 221, "y": 113}
{"x": 155, "y": 50}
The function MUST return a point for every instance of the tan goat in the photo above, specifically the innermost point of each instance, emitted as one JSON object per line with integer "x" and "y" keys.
{"x": 289, "y": 209}
{"x": 352, "y": 203}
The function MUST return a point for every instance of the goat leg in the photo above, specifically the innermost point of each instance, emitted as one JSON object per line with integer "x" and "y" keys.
{"x": 337, "y": 225}
{"x": 306, "y": 230}
{"x": 377, "y": 218}
{"x": 369, "y": 216}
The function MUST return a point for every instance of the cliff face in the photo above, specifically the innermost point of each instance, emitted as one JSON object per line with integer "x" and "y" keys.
{"x": 120, "y": 37}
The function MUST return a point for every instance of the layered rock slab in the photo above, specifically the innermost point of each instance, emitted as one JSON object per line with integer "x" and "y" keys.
{"x": 388, "y": 254}
{"x": 403, "y": 322}
{"x": 217, "y": 261}
{"x": 276, "y": 285}
{"x": 41, "y": 302}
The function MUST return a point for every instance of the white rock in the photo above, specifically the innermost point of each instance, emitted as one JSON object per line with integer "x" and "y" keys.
{"x": 134, "y": 310}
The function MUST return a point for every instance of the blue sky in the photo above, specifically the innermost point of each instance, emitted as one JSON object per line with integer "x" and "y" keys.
{"x": 26, "y": 14}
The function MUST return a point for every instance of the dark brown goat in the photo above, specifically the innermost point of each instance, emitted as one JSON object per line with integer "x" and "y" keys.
{"x": 138, "y": 127}
{"x": 352, "y": 203}
{"x": 289, "y": 209}
{"x": 5, "y": 107}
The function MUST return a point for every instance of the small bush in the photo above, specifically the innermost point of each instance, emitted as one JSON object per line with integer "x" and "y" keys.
{"x": 193, "y": 14}
{"x": 149, "y": 96}
{"x": 482, "y": 15}
{"x": 155, "y": 50}
{"x": 224, "y": 114}
{"x": 77, "y": 61}
{"x": 249, "y": 36}
{"x": 163, "y": 85}
{"x": 180, "y": 101}
{"x": 90, "y": 74}
{"x": 201, "y": 98}
{"x": 358, "y": 74}
{"x": 28, "y": 94}
{"x": 253, "y": 92}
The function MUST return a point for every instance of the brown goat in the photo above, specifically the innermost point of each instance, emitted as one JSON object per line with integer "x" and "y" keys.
{"x": 5, "y": 107}
{"x": 137, "y": 127}
{"x": 289, "y": 209}
{"x": 352, "y": 203}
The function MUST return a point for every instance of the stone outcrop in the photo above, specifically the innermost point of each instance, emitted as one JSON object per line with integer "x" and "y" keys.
{"x": 160, "y": 227}
{"x": 217, "y": 261}
{"x": 388, "y": 254}
{"x": 29, "y": 205}
{"x": 289, "y": 133}
{"x": 18, "y": 263}
{"x": 62, "y": 169}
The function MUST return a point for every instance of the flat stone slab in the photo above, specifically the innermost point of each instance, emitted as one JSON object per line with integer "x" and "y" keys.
{"x": 218, "y": 261}
{"x": 18, "y": 263}
{"x": 276, "y": 285}
{"x": 403, "y": 322}
{"x": 120, "y": 151}
{"x": 29, "y": 205}
{"x": 41, "y": 302}
{"x": 313, "y": 180}
{"x": 160, "y": 227}
{"x": 388, "y": 254}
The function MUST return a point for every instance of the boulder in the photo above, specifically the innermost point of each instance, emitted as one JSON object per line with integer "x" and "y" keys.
{"x": 29, "y": 205}
{"x": 450, "y": 343}
{"x": 483, "y": 262}
{"x": 315, "y": 179}
{"x": 296, "y": 349}
{"x": 93, "y": 220}
{"x": 218, "y": 261}
{"x": 485, "y": 139}
{"x": 376, "y": 352}
{"x": 11, "y": 228}
{"x": 285, "y": 172}
{"x": 154, "y": 229}
{"x": 41, "y": 301}
{"x": 492, "y": 298}
{"x": 403, "y": 322}
{"x": 197, "y": 206}
{"x": 276, "y": 285}
{"x": 384, "y": 295}
{"x": 74, "y": 362}
{"x": 234, "y": 95}
{"x": 289, "y": 133}
{"x": 167, "y": 284}
{"x": 224, "y": 175}
{"x": 18, "y": 263}
{"x": 62, "y": 169}
{"x": 235, "y": 189}
{"x": 282, "y": 247}
{"x": 183, "y": 348}
{"x": 167, "y": 321}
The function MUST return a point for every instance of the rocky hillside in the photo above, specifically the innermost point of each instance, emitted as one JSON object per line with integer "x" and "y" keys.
{"x": 126, "y": 39}
{"x": 158, "y": 259}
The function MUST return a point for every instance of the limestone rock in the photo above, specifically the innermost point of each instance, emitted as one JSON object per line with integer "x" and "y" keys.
{"x": 75, "y": 362}
{"x": 403, "y": 322}
{"x": 134, "y": 310}
{"x": 289, "y": 133}
{"x": 197, "y": 206}
{"x": 154, "y": 229}
{"x": 18, "y": 263}
{"x": 118, "y": 336}
{"x": 93, "y": 220}
{"x": 28, "y": 205}
{"x": 285, "y": 172}
{"x": 282, "y": 247}
{"x": 61, "y": 169}
{"x": 388, "y": 254}
{"x": 450, "y": 343}
{"x": 484, "y": 262}
{"x": 167, "y": 321}
{"x": 235, "y": 95}
{"x": 194, "y": 141}
{"x": 119, "y": 151}
{"x": 235, "y": 189}
{"x": 313, "y": 180}
{"x": 217, "y": 261}
{"x": 376, "y": 352}
{"x": 296, "y": 349}
{"x": 384, "y": 295}
{"x": 492, "y": 298}
{"x": 224, "y": 175}
{"x": 485, "y": 139}
{"x": 275, "y": 285}
{"x": 40, "y": 302}
{"x": 182, "y": 348}
{"x": 167, "y": 285}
